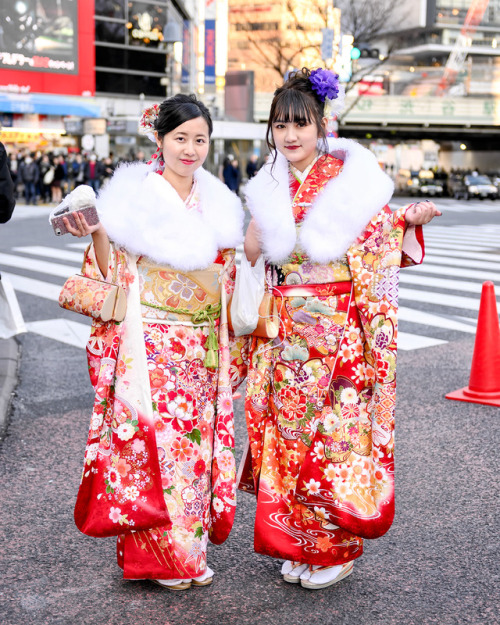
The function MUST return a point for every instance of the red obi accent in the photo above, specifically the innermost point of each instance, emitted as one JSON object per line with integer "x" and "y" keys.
{"x": 305, "y": 290}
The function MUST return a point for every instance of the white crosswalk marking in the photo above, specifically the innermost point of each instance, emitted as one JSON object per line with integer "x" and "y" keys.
{"x": 63, "y": 330}
{"x": 40, "y": 266}
{"x": 34, "y": 287}
{"x": 459, "y": 259}
{"x": 50, "y": 252}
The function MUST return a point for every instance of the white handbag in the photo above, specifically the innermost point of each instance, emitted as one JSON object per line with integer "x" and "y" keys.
{"x": 11, "y": 318}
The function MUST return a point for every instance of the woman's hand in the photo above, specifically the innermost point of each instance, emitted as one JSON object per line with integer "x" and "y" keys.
{"x": 82, "y": 228}
{"x": 252, "y": 243}
{"x": 421, "y": 213}
{"x": 99, "y": 238}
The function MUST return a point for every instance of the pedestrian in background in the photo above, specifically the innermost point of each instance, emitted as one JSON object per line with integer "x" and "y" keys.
{"x": 13, "y": 164}
{"x": 320, "y": 398}
{"x": 160, "y": 470}
{"x": 29, "y": 174}
{"x": 78, "y": 170}
{"x": 93, "y": 173}
{"x": 46, "y": 178}
{"x": 252, "y": 168}
{"x": 57, "y": 181}
{"x": 232, "y": 175}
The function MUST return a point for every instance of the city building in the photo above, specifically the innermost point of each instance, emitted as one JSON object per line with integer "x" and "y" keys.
{"x": 436, "y": 83}
{"x": 273, "y": 37}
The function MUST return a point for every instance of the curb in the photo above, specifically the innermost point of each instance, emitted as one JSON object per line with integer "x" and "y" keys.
{"x": 10, "y": 352}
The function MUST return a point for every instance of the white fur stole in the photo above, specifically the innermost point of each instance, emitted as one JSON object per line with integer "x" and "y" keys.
{"x": 339, "y": 214}
{"x": 143, "y": 213}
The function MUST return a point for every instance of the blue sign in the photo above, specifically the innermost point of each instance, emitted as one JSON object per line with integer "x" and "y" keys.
{"x": 210, "y": 52}
{"x": 186, "y": 53}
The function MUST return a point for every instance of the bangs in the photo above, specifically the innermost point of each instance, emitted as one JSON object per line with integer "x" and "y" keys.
{"x": 293, "y": 106}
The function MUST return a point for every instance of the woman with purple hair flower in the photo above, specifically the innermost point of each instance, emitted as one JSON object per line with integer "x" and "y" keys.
{"x": 320, "y": 397}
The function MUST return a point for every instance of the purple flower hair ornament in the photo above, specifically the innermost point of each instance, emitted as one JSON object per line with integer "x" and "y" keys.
{"x": 325, "y": 83}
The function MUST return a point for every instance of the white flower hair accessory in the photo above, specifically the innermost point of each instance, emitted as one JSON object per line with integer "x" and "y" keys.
{"x": 147, "y": 121}
{"x": 147, "y": 129}
{"x": 333, "y": 107}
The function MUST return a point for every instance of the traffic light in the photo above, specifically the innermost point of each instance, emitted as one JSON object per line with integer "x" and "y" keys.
{"x": 365, "y": 51}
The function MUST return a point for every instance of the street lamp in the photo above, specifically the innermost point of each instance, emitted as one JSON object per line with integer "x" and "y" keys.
{"x": 171, "y": 34}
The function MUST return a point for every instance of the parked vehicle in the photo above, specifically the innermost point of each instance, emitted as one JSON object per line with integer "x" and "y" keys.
{"x": 426, "y": 185}
{"x": 473, "y": 186}
{"x": 405, "y": 179}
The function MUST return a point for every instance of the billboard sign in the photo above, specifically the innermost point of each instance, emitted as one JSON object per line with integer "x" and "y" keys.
{"x": 48, "y": 46}
{"x": 40, "y": 36}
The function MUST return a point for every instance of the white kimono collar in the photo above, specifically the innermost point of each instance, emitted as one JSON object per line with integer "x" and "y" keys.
{"x": 339, "y": 214}
{"x": 143, "y": 213}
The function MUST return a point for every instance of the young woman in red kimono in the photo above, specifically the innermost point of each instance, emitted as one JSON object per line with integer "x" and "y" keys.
{"x": 159, "y": 468}
{"x": 320, "y": 398}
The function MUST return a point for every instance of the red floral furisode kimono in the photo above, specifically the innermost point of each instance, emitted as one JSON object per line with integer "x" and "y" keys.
{"x": 159, "y": 468}
{"x": 320, "y": 398}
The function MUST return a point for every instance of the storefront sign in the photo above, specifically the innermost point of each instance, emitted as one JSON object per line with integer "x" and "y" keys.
{"x": 94, "y": 126}
{"x": 73, "y": 126}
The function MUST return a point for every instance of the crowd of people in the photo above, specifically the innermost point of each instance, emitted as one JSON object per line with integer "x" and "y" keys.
{"x": 42, "y": 178}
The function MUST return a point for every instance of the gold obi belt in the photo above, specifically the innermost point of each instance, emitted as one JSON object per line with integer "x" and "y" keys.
{"x": 168, "y": 295}
{"x": 299, "y": 269}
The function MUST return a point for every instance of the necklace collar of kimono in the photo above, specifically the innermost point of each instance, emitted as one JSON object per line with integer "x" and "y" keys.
{"x": 302, "y": 175}
{"x": 143, "y": 213}
{"x": 339, "y": 214}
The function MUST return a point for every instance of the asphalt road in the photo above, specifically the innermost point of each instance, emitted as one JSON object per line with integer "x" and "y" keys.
{"x": 437, "y": 565}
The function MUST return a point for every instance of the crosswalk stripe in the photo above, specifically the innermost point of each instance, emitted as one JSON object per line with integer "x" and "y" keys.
{"x": 40, "y": 266}
{"x": 479, "y": 256}
{"x": 28, "y": 212}
{"x": 34, "y": 287}
{"x": 441, "y": 299}
{"x": 62, "y": 330}
{"x": 462, "y": 262}
{"x": 437, "y": 321}
{"x": 439, "y": 283}
{"x": 49, "y": 252}
{"x": 457, "y": 272}
{"x": 78, "y": 246}
{"x": 409, "y": 342}
{"x": 460, "y": 247}
{"x": 481, "y": 239}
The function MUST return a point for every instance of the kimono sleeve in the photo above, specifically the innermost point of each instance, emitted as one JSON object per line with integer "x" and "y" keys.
{"x": 238, "y": 345}
{"x": 413, "y": 250}
{"x": 103, "y": 336}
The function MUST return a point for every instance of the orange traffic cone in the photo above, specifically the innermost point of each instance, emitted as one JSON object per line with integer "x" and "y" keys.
{"x": 484, "y": 381}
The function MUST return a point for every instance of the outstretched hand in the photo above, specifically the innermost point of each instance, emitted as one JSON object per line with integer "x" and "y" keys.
{"x": 421, "y": 213}
{"x": 82, "y": 228}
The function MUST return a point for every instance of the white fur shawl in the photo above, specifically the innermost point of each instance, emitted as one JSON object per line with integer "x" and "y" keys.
{"x": 339, "y": 214}
{"x": 143, "y": 213}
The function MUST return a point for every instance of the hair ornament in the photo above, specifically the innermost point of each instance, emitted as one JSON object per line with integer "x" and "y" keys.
{"x": 325, "y": 83}
{"x": 147, "y": 121}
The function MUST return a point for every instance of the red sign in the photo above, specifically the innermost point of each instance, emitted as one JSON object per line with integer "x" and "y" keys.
{"x": 47, "y": 72}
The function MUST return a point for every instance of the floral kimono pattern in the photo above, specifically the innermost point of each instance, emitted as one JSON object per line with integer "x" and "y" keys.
{"x": 320, "y": 398}
{"x": 159, "y": 466}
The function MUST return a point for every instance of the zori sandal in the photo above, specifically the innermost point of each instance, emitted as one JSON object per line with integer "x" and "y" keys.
{"x": 292, "y": 571}
{"x": 317, "y": 577}
{"x": 173, "y": 584}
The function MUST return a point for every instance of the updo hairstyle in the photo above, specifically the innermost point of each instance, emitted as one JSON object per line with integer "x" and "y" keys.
{"x": 178, "y": 109}
{"x": 296, "y": 102}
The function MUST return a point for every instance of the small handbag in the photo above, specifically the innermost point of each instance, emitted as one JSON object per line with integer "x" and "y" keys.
{"x": 101, "y": 300}
{"x": 268, "y": 324}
